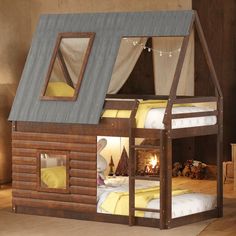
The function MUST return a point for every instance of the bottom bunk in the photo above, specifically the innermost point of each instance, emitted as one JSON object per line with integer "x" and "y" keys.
{"x": 113, "y": 198}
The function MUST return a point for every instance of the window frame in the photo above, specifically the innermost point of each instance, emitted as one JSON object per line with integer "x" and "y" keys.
{"x": 60, "y": 36}
{"x": 38, "y": 171}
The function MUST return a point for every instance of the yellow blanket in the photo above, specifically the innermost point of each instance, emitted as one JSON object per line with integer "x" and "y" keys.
{"x": 54, "y": 177}
{"x": 59, "y": 89}
{"x": 118, "y": 202}
{"x": 143, "y": 108}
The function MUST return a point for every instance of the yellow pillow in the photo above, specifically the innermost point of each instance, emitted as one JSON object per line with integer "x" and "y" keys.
{"x": 59, "y": 89}
{"x": 54, "y": 177}
{"x": 110, "y": 113}
{"x": 153, "y": 101}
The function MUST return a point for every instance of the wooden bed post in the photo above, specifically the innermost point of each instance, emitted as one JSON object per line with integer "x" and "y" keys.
{"x": 219, "y": 95}
{"x": 165, "y": 180}
{"x": 132, "y": 164}
{"x": 168, "y": 179}
{"x": 162, "y": 181}
{"x": 167, "y": 203}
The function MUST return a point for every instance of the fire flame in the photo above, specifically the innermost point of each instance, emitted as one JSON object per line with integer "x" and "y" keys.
{"x": 153, "y": 161}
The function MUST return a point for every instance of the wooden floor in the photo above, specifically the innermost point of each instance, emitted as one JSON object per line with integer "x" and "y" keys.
{"x": 217, "y": 227}
{"x": 204, "y": 186}
{"x": 5, "y": 196}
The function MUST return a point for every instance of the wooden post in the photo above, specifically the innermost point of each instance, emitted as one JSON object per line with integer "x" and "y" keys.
{"x": 162, "y": 180}
{"x": 220, "y": 158}
{"x": 174, "y": 86}
{"x": 132, "y": 165}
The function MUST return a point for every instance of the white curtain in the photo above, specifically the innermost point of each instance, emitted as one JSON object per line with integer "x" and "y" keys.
{"x": 129, "y": 52}
{"x": 73, "y": 51}
{"x": 165, "y": 59}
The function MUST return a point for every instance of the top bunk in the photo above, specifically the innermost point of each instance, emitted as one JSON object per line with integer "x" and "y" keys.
{"x": 77, "y": 72}
{"x": 188, "y": 116}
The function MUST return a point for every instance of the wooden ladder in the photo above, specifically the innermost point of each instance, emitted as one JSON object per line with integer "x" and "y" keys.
{"x": 132, "y": 171}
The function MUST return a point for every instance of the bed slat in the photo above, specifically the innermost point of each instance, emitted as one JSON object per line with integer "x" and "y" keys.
{"x": 194, "y": 114}
{"x": 195, "y": 100}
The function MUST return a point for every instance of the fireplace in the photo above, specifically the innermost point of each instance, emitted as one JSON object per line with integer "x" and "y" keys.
{"x": 148, "y": 162}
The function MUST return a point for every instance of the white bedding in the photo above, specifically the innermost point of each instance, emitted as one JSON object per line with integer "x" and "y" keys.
{"x": 155, "y": 116}
{"x": 182, "y": 205}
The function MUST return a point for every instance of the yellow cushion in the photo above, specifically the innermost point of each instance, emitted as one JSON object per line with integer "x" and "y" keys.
{"x": 54, "y": 177}
{"x": 110, "y": 113}
{"x": 59, "y": 89}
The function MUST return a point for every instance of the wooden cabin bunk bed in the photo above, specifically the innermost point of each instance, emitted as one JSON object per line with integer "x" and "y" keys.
{"x": 75, "y": 145}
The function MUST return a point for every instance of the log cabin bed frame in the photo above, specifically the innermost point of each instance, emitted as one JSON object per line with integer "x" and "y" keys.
{"x": 78, "y": 140}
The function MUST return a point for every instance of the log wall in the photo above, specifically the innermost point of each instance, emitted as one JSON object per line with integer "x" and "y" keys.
{"x": 82, "y": 171}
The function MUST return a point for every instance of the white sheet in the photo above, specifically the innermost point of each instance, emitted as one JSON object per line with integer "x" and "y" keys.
{"x": 155, "y": 116}
{"x": 182, "y": 205}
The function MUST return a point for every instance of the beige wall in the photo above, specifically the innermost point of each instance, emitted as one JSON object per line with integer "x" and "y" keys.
{"x": 18, "y": 20}
{"x": 14, "y": 44}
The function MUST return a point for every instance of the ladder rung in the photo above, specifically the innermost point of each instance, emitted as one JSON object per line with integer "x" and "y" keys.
{"x": 149, "y": 178}
{"x": 145, "y": 147}
{"x": 147, "y": 209}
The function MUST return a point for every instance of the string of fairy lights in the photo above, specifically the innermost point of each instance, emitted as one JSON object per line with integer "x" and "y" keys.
{"x": 149, "y": 49}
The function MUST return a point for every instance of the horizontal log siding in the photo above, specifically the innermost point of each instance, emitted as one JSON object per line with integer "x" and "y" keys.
{"x": 82, "y": 164}
{"x": 54, "y": 196}
{"x": 60, "y": 205}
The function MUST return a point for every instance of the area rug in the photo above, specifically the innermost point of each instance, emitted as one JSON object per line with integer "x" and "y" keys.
{"x": 225, "y": 226}
{"x": 12, "y": 224}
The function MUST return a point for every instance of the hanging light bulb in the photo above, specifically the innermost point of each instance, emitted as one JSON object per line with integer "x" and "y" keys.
{"x": 170, "y": 54}
{"x": 161, "y": 54}
{"x": 149, "y": 49}
{"x": 144, "y": 47}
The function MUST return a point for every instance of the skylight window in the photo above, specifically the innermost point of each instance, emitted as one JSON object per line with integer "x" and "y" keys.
{"x": 67, "y": 66}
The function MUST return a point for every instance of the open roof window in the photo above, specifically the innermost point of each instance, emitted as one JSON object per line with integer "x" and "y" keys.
{"x": 67, "y": 66}
{"x": 146, "y": 66}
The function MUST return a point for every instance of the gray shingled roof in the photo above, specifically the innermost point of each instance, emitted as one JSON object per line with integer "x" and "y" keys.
{"x": 109, "y": 28}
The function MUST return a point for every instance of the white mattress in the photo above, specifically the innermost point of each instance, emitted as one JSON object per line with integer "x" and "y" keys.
{"x": 182, "y": 205}
{"x": 155, "y": 116}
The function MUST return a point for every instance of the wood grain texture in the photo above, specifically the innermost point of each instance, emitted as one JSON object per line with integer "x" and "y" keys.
{"x": 54, "y": 145}
{"x": 54, "y": 137}
{"x": 83, "y": 182}
{"x": 24, "y": 152}
{"x": 24, "y": 169}
{"x": 82, "y": 185}
{"x": 79, "y": 207}
{"x": 24, "y": 177}
{"x": 18, "y": 160}
{"x": 91, "y": 191}
{"x": 23, "y": 193}
{"x": 24, "y": 185}
{"x": 90, "y": 174}
{"x": 88, "y": 165}
{"x": 81, "y": 156}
